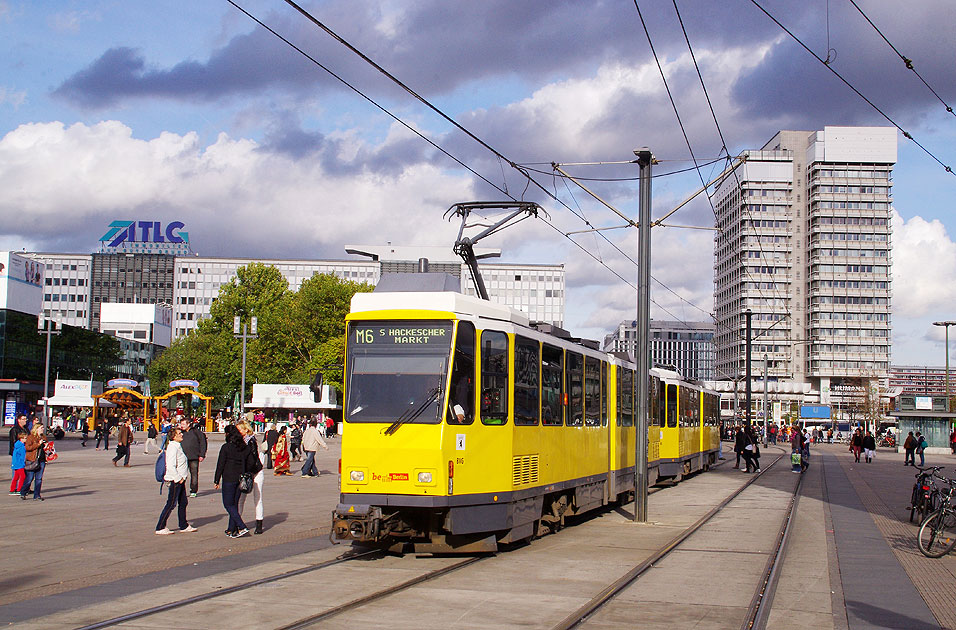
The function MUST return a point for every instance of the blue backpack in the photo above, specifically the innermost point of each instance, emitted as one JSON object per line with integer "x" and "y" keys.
{"x": 160, "y": 467}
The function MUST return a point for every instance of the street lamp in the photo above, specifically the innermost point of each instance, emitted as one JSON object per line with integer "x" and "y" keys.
{"x": 47, "y": 327}
{"x": 946, "y": 325}
{"x": 253, "y": 329}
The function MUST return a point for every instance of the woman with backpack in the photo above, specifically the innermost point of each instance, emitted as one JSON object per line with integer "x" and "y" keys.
{"x": 177, "y": 470}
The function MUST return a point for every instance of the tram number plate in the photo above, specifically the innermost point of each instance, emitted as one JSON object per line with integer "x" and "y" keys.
{"x": 460, "y": 442}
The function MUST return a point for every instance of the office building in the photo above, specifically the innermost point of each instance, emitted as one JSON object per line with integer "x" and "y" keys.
{"x": 803, "y": 242}
{"x": 687, "y": 347}
{"x": 76, "y": 286}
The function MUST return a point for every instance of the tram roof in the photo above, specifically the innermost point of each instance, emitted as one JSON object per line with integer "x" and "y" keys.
{"x": 446, "y": 301}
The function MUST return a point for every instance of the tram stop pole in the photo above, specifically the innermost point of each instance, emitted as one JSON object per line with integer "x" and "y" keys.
{"x": 643, "y": 358}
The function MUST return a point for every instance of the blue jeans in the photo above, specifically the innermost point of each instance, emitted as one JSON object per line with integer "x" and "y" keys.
{"x": 36, "y": 478}
{"x": 177, "y": 494}
{"x": 309, "y": 467}
{"x": 922, "y": 461}
{"x": 230, "y": 501}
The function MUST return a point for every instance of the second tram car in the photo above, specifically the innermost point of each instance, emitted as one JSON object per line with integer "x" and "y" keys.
{"x": 467, "y": 427}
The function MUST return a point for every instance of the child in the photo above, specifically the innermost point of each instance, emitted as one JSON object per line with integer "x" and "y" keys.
{"x": 19, "y": 461}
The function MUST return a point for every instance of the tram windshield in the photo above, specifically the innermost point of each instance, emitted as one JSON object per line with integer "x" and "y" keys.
{"x": 397, "y": 371}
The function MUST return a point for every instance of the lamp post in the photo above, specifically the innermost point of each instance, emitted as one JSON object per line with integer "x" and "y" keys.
{"x": 946, "y": 325}
{"x": 252, "y": 334}
{"x": 747, "y": 393}
{"x": 47, "y": 327}
{"x": 766, "y": 408}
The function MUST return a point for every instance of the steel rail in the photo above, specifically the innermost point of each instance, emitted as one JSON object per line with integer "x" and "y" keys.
{"x": 614, "y": 589}
{"x": 223, "y": 591}
{"x": 367, "y": 599}
{"x": 758, "y": 612}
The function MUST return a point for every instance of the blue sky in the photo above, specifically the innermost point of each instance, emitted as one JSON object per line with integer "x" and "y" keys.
{"x": 191, "y": 111}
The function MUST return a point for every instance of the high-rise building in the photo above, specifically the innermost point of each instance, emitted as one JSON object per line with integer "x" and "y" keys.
{"x": 687, "y": 347}
{"x": 803, "y": 242}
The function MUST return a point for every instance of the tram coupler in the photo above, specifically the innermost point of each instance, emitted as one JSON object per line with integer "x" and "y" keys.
{"x": 355, "y": 522}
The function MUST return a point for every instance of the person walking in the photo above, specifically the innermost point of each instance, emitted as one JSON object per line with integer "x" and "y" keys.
{"x": 18, "y": 464}
{"x": 249, "y": 436}
{"x": 271, "y": 437}
{"x": 102, "y": 434}
{"x": 755, "y": 452}
{"x": 311, "y": 441}
{"x": 151, "y": 435}
{"x": 124, "y": 439}
{"x": 177, "y": 468}
{"x": 34, "y": 462}
{"x": 280, "y": 454}
{"x": 739, "y": 442}
{"x": 748, "y": 449}
{"x": 856, "y": 445}
{"x": 796, "y": 451}
{"x": 295, "y": 442}
{"x": 869, "y": 446}
{"x": 909, "y": 450}
{"x": 952, "y": 441}
{"x": 85, "y": 431}
{"x": 921, "y": 445}
{"x": 194, "y": 445}
{"x": 235, "y": 458}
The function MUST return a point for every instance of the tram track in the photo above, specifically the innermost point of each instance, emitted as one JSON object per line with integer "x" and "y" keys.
{"x": 195, "y": 599}
{"x": 758, "y": 611}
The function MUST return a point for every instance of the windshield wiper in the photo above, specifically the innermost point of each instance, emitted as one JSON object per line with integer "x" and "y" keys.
{"x": 410, "y": 414}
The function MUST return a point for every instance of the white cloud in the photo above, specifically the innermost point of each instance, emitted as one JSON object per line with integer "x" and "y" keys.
{"x": 234, "y": 198}
{"x": 924, "y": 267}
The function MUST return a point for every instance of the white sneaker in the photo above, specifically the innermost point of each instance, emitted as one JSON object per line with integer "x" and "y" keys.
{"x": 758, "y": 470}
{"x": 164, "y": 532}
{"x": 189, "y": 528}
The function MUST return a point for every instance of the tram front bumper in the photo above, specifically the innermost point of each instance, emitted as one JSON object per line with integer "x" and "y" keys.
{"x": 356, "y": 522}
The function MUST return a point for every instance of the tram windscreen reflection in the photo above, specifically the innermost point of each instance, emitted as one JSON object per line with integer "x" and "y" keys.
{"x": 383, "y": 388}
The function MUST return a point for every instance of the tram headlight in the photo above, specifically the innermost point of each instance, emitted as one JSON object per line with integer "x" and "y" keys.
{"x": 424, "y": 477}
{"x": 357, "y": 475}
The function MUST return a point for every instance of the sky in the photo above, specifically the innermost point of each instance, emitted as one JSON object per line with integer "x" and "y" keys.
{"x": 193, "y": 111}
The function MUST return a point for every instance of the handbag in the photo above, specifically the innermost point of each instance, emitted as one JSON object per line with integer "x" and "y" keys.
{"x": 50, "y": 451}
{"x": 32, "y": 465}
{"x": 795, "y": 458}
{"x": 245, "y": 483}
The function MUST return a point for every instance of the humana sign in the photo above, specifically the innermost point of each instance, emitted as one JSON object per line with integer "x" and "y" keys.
{"x": 121, "y": 232}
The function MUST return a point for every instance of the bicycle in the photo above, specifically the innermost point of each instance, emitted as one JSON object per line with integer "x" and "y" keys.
{"x": 925, "y": 496}
{"x": 937, "y": 534}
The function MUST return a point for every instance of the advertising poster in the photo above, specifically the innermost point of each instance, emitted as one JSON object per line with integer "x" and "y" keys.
{"x": 21, "y": 283}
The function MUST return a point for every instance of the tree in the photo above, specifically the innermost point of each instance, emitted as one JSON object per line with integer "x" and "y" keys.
{"x": 299, "y": 333}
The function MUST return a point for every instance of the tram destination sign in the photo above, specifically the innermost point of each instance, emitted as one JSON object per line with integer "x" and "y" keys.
{"x": 402, "y": 334}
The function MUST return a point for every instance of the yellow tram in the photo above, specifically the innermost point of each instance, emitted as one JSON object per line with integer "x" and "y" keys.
{"x": 467, "y": 427}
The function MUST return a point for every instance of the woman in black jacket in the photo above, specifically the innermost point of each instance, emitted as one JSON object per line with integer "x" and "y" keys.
{"x": 235, "y": 458}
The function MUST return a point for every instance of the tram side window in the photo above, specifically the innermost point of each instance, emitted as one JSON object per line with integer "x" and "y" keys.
{"x": 552, "y": 371}
{"x": 711, "y": 410}
{"x": 575, "y": 389}
{"x": 494, "y": 377}
{"x": 592, "y": 392}
{"x": 527, "y": 383}
{"x": 671, "y": 405}
{"x": 627, "y": 398}
{"x": 653, "y": 395}
{"x": 461, "y": 403}
{"x": 689, "y": 407}
{"x": 603, "y": 394}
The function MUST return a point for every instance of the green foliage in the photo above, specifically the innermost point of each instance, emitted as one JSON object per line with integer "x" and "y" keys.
{"x": 299, "y": 333}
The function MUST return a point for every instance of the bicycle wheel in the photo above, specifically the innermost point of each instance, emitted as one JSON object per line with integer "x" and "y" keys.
{"x": 937, "y": 534}
{"x": 914, "y": 502}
